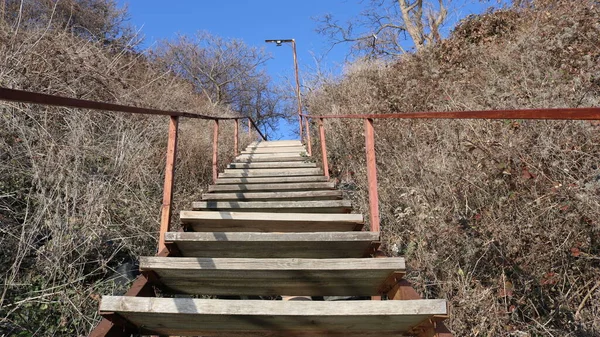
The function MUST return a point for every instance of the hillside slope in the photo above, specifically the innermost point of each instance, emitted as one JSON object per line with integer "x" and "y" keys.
{"x": 501, "y": 217}
{"x": 80, "y": 191}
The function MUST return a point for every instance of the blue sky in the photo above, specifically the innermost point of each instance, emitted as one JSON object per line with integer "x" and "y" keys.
{"x": 257, "y": 20}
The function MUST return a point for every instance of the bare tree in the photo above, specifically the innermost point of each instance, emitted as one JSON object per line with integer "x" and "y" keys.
{"x": 101, "y": 20}
{"x": 226, "y": 71}
{"x": 383, "y": 25}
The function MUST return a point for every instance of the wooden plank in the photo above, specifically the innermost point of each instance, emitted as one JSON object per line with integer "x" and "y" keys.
{"x": 269, "y": 150}
{"x": 272, "y": 187}
{"x": 272, "y": 276}
{"x": 272, "y": 196}
{"x": 275, "y": 143}
{"x": 201, "y": 317}
{"x": 272, "y": 180}
{"x": 291, "y": 172}
{"x": 268, "y": 165}
{"x": 270, "y": 159}
{"x": 201, "y": 221}
{"x": 324, "y": 206}
{"x": 270, "y": 245}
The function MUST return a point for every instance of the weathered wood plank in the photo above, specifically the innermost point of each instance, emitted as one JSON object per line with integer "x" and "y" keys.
{"x": 273, "y": 245}
{"x": 200, "y": 317}
{"x": 273, "y": 180}
{"x": 272, "y": 196}
{"x": 208, "y": 221}
{"x": 279, "y": 149}
{"x": 284, "y": 143}
{"x": 290, "y": 172}
{"x": 272, "y": 276}
{"x": 321, "y": 206}
{"x": 250, "y": 159}
{"x": 267, "y": 165}
{"x": 273, "y": 187}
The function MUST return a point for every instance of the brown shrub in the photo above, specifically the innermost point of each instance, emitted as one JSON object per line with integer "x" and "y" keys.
{"x": 80, "y": 191}
{"x": 499, "y": 217}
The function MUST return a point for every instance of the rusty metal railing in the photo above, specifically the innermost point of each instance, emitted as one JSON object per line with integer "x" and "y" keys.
{"x": 166, "y": 208}
{"x": 534, "y": 114}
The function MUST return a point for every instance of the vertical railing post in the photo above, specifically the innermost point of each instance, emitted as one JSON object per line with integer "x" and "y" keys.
{"x": 323, "y": 147}
{"x": 236, "y": 137}
{"x": 249, "y": 128}
{"x": 165, "y": 212}
{"x": 215, "y": 166}
{"x": 372, "y": 174}
{"x": 308, "y": 140}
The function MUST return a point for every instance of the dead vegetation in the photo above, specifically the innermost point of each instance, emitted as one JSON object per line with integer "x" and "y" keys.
{"x": 500, "y": 217}
{"x": 80, "y": 191}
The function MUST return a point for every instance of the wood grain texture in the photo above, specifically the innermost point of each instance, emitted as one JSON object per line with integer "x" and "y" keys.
{"x": 193, "y": 317}
{"x": 274, "y": 180}
{"x": 272, "y": 276}
{"x": 272, "y": 196}
{"x": 289, "y": 172}
{"x": 321, "y": 206}
{"x": 271, "y": 159}
{"x": 273, "y": 187}
{"x": 209, "y": 221}
{"x": 268, "y": 165}
{"x": 273, "y": 245}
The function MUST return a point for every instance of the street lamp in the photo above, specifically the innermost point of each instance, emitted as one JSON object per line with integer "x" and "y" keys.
{"x": 279, "y": 43}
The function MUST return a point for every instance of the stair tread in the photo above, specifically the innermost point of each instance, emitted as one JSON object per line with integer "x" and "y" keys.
{"x": 319, "y": 206}
{"x": 266, "y": 196}
{"x": 290, "y": 172}
{"x": 328, "y": 185}
{"x": 269, "y": 180}
{"x": 269, "y": 245}
{"x": 270, "y": 159}
{"x": 273, "y": 276}
{"x": 212, "y": 221}
{"x": 267, "y": 165}
{"x": 212, "y": 317}
{"x": 278, "y": 149}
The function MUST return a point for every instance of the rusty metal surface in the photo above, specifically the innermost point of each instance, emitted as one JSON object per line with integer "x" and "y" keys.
{"x": 323, "y": 147}
{"x": 372, "y": 175}
{"x": 308, "y": 140}
{"x": 215, "y": 158}
{"x": 22, "y": 96}
{"x": 165, "y": 213}
{"x": 298, "y": 95}
{"x": 236, "y": 137}
{"x": 550, "y": 114}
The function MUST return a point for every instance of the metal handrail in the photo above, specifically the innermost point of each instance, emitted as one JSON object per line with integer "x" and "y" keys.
{"x": 22, "y": 96}
{"x": 592, "y": 113}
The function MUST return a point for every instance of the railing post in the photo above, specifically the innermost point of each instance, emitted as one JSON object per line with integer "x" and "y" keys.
{"x": 308, "y": 140}
{"x": 215, "y": 158}
{"x": 372, "y": 174}
{"x": 323, "y": 147}
{"x": 249, "y": 128}
{"x": 236, "y": 137}
{"x": 165, "y": 212}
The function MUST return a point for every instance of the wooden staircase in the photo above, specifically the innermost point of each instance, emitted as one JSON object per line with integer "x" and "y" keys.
{"x": 273, "y": 227}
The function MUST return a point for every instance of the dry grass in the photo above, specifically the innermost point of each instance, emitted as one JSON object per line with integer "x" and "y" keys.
{"x": 80, "y": 191}
{"x": 499, "y": 217}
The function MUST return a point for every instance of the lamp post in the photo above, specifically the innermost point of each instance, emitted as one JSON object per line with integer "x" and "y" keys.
{"x": 293, "y": 42}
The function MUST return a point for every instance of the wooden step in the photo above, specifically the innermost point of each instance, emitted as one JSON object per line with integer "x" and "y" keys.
{"x": 270, "y": 159}
{"x": 272, "y": 187}
{"x": 268, "y": 165}
{"x": 285, "y": 143}
{"x": 280, "y": 149}
{"x": 289, "y": 172}
{"x": 254, "y": 318}
{"x": 267, "y": 277}
{"x": 274, "y": 196}
{"x": 325, "y": 206}
{"x": 272, "y": 180}
{"x": 207, "y": 221}
{"x": 274, "y": 245}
